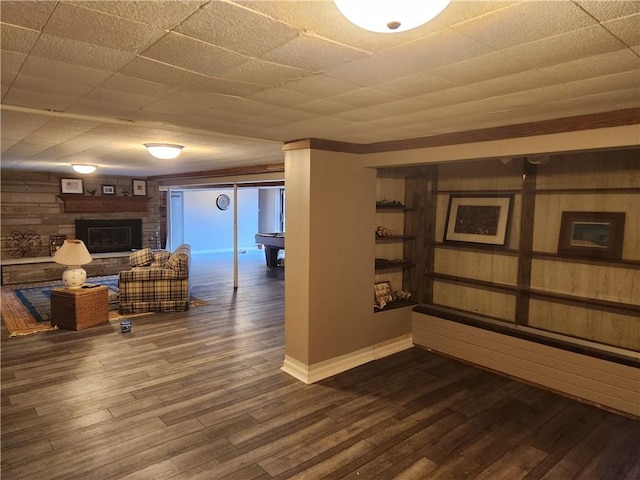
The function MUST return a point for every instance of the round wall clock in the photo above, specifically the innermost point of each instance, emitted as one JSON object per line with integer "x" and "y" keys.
{"x": 222, "y": 202}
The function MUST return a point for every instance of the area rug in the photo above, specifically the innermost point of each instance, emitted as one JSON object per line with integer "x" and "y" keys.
{"x": 26, "y": 309}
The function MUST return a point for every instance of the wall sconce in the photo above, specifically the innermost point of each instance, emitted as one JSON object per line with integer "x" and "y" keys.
{"x": 164, "y": 151}
{"x": 390, "y": 16}
{"x": 84, "y": 169}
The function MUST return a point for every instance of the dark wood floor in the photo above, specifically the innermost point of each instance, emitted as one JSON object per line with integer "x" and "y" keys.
{"x": 200, "y": 395}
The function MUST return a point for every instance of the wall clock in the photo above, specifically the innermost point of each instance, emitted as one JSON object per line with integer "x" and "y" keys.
{"x": 222, "y": 202}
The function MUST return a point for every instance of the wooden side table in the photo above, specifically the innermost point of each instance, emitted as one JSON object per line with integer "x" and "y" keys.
{"x": 79, "y": 308}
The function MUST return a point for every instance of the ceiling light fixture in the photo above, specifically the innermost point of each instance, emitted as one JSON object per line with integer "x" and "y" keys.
{"x": 165, "y": 151}
{"x": 390, "y": 16}
{"x": 85, "y": 169}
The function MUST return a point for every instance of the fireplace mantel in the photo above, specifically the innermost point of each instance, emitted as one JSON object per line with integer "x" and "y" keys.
{"x": 103, "y": 203}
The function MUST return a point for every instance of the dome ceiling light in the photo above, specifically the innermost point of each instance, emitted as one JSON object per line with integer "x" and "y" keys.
{"x": 164, "y": 151}
{"x": 84, "y": 169}
{"x": 390, "y": 16}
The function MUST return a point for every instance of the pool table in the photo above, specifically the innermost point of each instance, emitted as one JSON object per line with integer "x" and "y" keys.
{"x": 273, "y": 243}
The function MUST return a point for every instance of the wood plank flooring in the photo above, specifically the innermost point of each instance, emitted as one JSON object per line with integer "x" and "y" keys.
{"x": 200, "y": 395}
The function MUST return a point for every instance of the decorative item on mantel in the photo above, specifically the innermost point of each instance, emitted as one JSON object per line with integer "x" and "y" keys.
{"x": 25, "y": 244}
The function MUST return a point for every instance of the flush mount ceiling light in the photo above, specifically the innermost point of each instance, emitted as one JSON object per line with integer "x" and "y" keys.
{"x": 85, "y": 169}
{"x": 164, "y": 151}
{"x": 390, "y": 16}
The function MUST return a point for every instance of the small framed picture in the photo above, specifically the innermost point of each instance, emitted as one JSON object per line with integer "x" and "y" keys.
{"x": 55, "y": 242}
{"x": 140, "y": 188}
{"x": 108, "y": 189}
{"x": 591, "y": 234}
{"x": 71, "y": 185}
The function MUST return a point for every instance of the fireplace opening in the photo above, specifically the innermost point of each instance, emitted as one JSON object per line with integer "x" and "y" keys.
{"x": 102, "y": 236}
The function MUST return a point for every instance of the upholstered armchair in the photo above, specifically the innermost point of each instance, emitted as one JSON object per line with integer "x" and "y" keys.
{"x": 157, "y": 281}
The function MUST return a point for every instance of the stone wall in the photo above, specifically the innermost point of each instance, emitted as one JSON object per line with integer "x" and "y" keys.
{"x": 30, "y": 203}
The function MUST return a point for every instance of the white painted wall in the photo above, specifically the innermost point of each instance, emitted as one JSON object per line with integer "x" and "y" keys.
{"x": 208, "y": 229}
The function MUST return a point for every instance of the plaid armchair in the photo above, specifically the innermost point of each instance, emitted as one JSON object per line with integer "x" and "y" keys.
{"x": 157, "y": 281}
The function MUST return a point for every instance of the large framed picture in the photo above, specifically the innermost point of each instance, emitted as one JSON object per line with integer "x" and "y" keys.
{"x": 140, "y": 188}
{"x": 71, "y": 185}
{"x": 480, "y": 219}
{"x": 592, "y": 234}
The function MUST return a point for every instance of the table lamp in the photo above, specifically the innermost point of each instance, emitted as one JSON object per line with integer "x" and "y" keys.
{"x": 74, "y": 254}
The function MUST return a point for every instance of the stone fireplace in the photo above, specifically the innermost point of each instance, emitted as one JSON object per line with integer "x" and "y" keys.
{"x": 103, "y": 236}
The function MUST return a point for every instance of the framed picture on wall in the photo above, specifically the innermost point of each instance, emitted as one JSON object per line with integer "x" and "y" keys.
{"x": 480, "y": 219}
{"x": 108, "y": 189}
{"x": 71, "y": 185}
{"x": 592, "y": 234}
{"x": 140, "y": 188}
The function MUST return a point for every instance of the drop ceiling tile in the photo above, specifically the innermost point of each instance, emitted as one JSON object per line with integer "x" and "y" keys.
{"x": 451, "y": 96}
{"x": 194, "y": 55}
{"x": 162, "y": 14}
{"x": 175, "y": 108}
{"x": 236, "y": 28}
{"x": 479, "y": 69}
{"x": 570, "y": 46}
{"x": 364, "y": 97}
{"x": 598, "y": 65}
{"x": 101, "y": 109}
{"x": 371, "y": 70}
{"x": 412, "y": 85}
{"x": 517, "y": 82}
{"x": 445, "y": 48}
{"x": 605, "y": 10}
{"x": 321, "y": 86}
{"x": 608, "y": 83}
{"x": 626, "y": 29}
{"x": 265, "y": 73}
{"x": 146, "y": 69}
{"x": 281, "y": 97}
{"x": 44, "y": 85}
{"x": 91, "y": 26}
{"x": 124, "y": 83}
{"x": 38, "y": 100}
{"x": 228, "y": 87}
{"x": 28, "y": 14}
{"x": 324, "y": 107}
{"x": 80, "y": 53}
{"x": 16, "y": 124}
{"x": 313, "y": 53}
{"x": 17, "y": 39}
{"x": 131, "y": 100}
{"x": 525, "y": 22}
{"x": 6, "y": 79}
{"x": 307, "y": 15}
{"x": 11, "y": 61}
{"x": 63, "y": 72}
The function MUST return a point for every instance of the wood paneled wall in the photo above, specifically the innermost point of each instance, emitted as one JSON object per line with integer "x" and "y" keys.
{"x": 527, "y": 282}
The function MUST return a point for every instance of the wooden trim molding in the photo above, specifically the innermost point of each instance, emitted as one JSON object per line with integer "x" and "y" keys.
{"x": 224, "y": 172}
{"x": 103, "y": 203}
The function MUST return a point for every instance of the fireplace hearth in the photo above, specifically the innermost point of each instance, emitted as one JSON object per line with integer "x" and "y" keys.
{"x": 103, "y": 236}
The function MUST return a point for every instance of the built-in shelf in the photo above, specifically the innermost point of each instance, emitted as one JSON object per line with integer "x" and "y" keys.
{"x": 394, "y": 238}
{"x": 392, "y": 265}
{"x": 394, "y": 305}
{"x": 103, "y": 203}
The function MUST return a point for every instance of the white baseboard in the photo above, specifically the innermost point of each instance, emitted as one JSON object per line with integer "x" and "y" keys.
{"x": 319, "y": 371}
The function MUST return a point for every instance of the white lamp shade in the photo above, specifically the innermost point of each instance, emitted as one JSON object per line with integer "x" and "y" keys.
{"x": 164, "y": 151}
{"x": 390, "y": 16}
{"x": 72, "y": 252}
